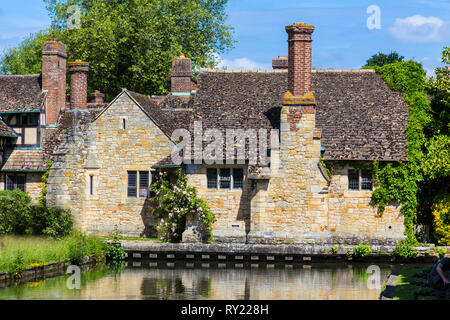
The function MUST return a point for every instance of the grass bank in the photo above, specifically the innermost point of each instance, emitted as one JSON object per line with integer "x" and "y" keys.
{"x": 411, "y": 285}
{"x": 20, "y": 252}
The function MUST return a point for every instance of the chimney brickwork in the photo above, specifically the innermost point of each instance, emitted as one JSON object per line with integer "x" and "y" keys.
{"x": 280, "y": 64}
{"x": 181, "y": 76}
{"x": 54, "y": 71}
{"x": 78, "y": 84}
{"x": 299, "y": 58}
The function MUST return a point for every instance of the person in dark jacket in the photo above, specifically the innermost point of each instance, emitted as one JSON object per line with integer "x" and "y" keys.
{"x": 439, "y": 277}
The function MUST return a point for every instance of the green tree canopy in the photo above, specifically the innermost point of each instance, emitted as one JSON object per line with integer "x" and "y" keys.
{"x": 439, "y": 87}
{"x": 381, "y": 59}
{"x": 129, "y": 43}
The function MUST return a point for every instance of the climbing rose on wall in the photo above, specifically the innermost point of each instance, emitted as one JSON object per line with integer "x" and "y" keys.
{"x": 172, "y": 203}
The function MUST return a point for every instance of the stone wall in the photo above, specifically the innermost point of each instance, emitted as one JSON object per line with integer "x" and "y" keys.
{"x": 353, "y": 219}
{"x": 106, "y": 151}
{"x": 292, "y": 205}
{"x": 296, "y": 205}
{"x": 34, "y": 185}
{"x": 231, "y": 207}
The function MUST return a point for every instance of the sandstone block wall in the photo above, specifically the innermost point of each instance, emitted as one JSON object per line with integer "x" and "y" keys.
{"x": 296, "y": 205}
{"x": 231, "y": 207}
{"x": 353, "y": 219}
{"x": 106, "y": 151}
{"x": 292, "y": 206}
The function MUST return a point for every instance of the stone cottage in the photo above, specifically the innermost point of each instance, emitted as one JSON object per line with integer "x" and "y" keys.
{"x": 105, "y": 156}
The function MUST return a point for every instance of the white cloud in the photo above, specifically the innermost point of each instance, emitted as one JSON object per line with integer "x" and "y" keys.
{"x": 242, "y": 64}
{"x": 418, "y": 28}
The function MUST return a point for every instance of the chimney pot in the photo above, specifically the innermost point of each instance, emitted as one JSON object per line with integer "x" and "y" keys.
{"x": 97, "y": 97}
{"x": 280, "y": 64}
{"x": 78, "y": 84}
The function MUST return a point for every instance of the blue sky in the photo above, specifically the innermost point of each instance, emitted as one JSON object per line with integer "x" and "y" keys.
{"x": 417, "y": 29}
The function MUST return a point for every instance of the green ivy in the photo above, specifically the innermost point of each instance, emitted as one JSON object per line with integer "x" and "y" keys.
{"x": 397, "y": 182}
{"x": 328, "y": 166}
{"x": 173, "y": 203}
{"x": 43, "y": 195}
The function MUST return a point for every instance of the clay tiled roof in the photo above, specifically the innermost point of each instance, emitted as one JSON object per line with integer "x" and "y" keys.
{"x": 361, "y": 118}
{"x": 6, "y": 131}
{"x": 168, "y": 118}
{"x": 24, "y": 160}
{"x": 21, "y": 93}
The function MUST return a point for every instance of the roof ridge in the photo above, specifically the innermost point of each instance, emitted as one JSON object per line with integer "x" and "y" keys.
{"x": 21, "y": 75}
{"x": 285, "y": 71}
{"x": 344, "y": 70}
{"x": 242, "y": 71}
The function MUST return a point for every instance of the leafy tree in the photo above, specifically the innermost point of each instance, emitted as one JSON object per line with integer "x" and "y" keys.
{"x": 381, "y": 59}
{"x": 130, "y": 43}
{"x": 421, "y": 183}
{"x": 439, "y": 87}
{"x": 435, "y": 193}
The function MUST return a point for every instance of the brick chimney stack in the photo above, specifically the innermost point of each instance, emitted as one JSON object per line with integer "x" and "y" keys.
{"x": 54, "y": 65}
{"x": 97, "y": 97}
{"x": 78, "y": 84}
{"x": 299, "y": 60}
{"x": 280, "y": 64}
{"x": 181, "y": 76}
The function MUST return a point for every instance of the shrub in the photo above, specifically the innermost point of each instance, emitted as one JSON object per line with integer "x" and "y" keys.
{"x": 361, "y": 251}
{"x": 18, "y": 264}
{"x": 114, "y": 250}
{"x": 19, "y": 216}
{"x": 78, "y": 248}
{"x": 52, "y": 222}
{"x": 15, "y": 213}
{"x": 441, "y": 219}
{"x": 404, "y": 251}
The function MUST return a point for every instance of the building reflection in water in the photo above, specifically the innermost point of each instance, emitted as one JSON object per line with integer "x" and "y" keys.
{"x": 170, "y": 281}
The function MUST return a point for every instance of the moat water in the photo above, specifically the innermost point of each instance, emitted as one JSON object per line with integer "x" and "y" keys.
{"x": 171, "y": 281}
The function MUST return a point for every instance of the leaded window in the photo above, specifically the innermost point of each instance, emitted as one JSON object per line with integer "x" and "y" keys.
{"x": 225, "y": 178}
{"x": 366, "y": 180}
{"x": 15, "y": 182}
{"x": 238, "y": 178}
{"x": 132, "y": 184}
{"x": 353, "y": 180}
{"x": 143, "y": 184}
{"x": 212, "y": 178}
{"x": 360, "y": 180}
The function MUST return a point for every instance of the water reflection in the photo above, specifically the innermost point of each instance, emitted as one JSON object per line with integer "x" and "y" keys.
{"x": 172, "y": 281}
